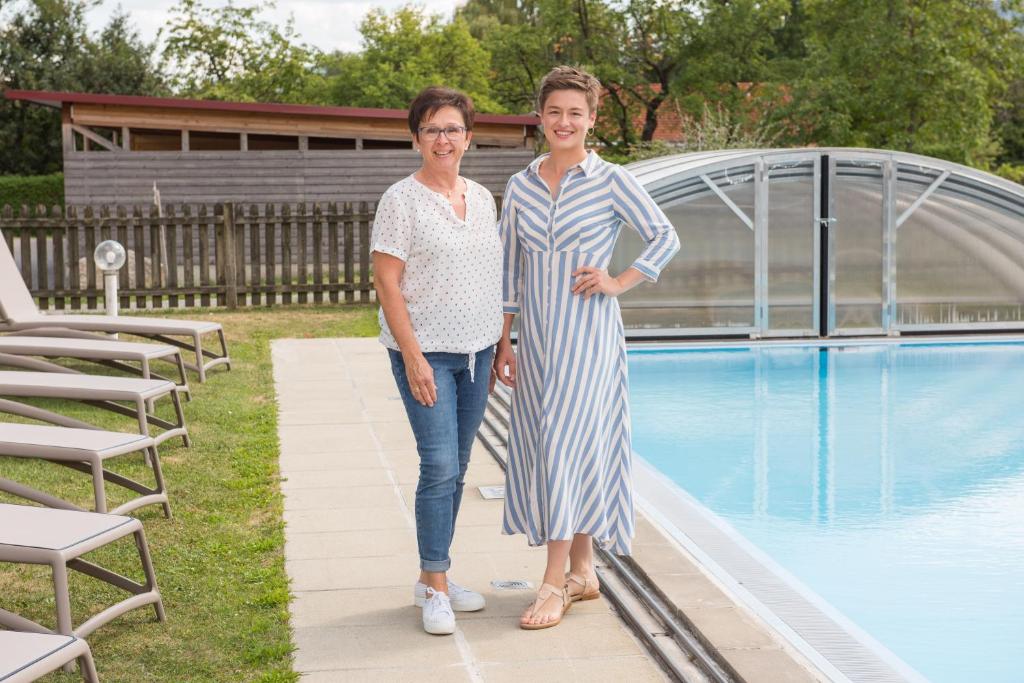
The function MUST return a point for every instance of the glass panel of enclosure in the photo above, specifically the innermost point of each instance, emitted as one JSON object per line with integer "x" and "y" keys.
{"x": 912, "y": 246}
{"x": 959, "y": 253}
{"x": 710, "y": 283}
{"x": 792, "y": 246}
{"x": 856, "y": 245}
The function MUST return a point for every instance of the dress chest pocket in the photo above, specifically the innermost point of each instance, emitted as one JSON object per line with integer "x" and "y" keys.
{"x": 587, "y": 228}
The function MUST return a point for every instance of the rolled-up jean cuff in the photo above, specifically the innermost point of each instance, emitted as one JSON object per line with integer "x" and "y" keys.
{"x": 435, "y": 565}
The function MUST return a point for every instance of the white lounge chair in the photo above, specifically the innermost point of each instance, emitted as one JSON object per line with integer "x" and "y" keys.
{"x": 85, "y": 450}
{"x": 58, "y": 538}
{"x": 26, "y": 349}
{"x": 103, "y": 392}
{"x": 18, "y": 312}
{"x": 25, "y": 657}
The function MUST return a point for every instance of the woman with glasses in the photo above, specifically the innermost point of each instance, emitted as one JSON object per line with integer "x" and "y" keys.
{"x": 568, "y": 478}
{"x": 437, "y": 271}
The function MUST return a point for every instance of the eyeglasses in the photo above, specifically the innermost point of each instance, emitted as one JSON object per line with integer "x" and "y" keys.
{"x": 450, "y": 132}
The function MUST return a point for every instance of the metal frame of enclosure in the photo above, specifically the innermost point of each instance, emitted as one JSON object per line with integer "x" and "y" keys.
{"x": 829, "y": 242}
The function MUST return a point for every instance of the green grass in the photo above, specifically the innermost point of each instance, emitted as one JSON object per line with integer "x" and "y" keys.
{"x": 220, "y": 559}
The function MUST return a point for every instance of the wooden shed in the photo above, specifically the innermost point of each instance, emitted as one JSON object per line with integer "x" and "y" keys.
{"x": 116, "y": 147}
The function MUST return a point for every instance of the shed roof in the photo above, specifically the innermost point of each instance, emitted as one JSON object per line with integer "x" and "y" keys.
{"x": 57, "y": 99}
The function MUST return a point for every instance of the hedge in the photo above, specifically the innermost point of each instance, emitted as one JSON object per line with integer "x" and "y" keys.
{"x": 33, "y": 190}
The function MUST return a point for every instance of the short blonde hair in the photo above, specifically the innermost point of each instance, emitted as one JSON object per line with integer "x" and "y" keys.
{"x": 569, "y": 78}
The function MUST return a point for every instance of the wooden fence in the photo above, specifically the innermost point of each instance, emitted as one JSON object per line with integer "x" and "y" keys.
{"x": 196, "y": 255}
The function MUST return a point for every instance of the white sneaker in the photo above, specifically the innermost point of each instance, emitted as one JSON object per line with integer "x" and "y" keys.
{"x": 462, "y": 599}
{"x": 438, "y": 617}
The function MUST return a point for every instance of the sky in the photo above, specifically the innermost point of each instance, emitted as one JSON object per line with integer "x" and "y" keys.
{"x": 325, "y": 24}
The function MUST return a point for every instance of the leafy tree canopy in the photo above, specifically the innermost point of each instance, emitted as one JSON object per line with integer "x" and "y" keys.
{"x": 230, "y": 53}
{"x": 918, "y": 75}
{"x": 406, "y": 51}
{"x": 46, "y": 45}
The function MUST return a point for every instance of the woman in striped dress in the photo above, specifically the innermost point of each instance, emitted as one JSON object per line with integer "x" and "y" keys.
{"x": 569, "y": 451}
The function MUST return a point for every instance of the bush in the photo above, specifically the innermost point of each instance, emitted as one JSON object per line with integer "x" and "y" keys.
{"x": 1012, "y": 172}
{"x": 32, "y": 190}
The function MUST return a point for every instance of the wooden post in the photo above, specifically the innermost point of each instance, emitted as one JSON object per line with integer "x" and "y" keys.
{"x": 270, "y": 240}
{"x": 140, "y": 255}
{"x": 184, "y": 140}
{"x": 204, "y": 252}
{"x": 59, "y": 237}
{"x": 365, "y": 286}
{"x": 255, "y": 275}
{"x": 67, "y": 136}
{"x": 42, "y": 262}
{"x": 229, "y": 254}
{"x": 348, "y": 229}
{"x": 332, "y": 249}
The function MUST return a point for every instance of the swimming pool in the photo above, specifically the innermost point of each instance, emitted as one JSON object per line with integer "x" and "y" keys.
{"x": 886, "y": 478}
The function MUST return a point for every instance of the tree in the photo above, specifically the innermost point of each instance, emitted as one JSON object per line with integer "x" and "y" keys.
{"x": 525, "y": 39}
{"x": 914, "y": 75}
{"x": 404, "y": 52}
{"x": 230, "y": 53}
{"x": 634, "y": 47}
{"x": 45, "y": 45}
{"x": 655, "y": 35}
{"x": 119, "y": 62}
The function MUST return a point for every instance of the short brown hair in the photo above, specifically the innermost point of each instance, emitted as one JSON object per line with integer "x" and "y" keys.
{"x": 433, "y": 98}
{"x": 569, "y": 78}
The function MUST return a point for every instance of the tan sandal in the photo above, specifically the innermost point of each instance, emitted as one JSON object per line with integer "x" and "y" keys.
{"x": 545, "y": 592}
{"x": 589, "y": 592}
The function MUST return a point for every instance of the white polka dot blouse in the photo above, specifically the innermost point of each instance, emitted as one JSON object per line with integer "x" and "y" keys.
{"x": 452, "y": 278}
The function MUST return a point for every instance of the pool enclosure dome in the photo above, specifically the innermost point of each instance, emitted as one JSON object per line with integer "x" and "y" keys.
{"x": 828, "y": 242}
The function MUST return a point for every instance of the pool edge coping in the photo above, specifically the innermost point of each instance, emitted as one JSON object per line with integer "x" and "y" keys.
{"x": 650, "y": 484}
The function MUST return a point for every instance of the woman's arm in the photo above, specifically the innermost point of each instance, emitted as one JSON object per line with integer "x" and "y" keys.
{"x": 387, "y": 277}
{"x": 512, "y": 273}
{"x": 637, "y": 209}
{"x": 504, "y": 356}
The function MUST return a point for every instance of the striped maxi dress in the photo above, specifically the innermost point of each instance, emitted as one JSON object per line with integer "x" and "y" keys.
{"x": 569, "y": 459}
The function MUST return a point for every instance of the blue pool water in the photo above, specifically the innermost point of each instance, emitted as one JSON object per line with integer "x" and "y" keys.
{"x": 889, "y": 479}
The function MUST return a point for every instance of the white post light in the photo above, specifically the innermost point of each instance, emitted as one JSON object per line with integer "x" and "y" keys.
{"x": 109, "y": 257}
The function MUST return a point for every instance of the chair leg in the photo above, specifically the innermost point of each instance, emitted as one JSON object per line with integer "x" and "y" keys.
{"x": 88, "y": 668}
{"x": 199, "y": 356}
{"x": 99, "y": 488}
{"x": 180, "y": 362}
{"x": 223, "y": 346}
{"x": 63, "y": 600}
{"x": 146, "y": 375}
{"x": 147, "y": 568}
{"x": 158, "y": 475}
{"x": 141, "y": 408}
{"x": 62, "y": 597}
{"x": 180, "y": 414}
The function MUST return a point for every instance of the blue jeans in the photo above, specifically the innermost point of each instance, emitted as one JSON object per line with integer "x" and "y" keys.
{"x": 444, "y": 437}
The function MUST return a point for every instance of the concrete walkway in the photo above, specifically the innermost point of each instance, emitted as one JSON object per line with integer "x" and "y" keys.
{"x": 349, "y": 463}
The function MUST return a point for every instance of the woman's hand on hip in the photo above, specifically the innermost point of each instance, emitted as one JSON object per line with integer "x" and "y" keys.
{"x": 505, "y": 363}
{"x": 421, "y": 379}
{"x": 591, "y": 280}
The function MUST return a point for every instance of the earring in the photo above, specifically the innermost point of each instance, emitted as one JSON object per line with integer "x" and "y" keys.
{"x": 590, "y": 132}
